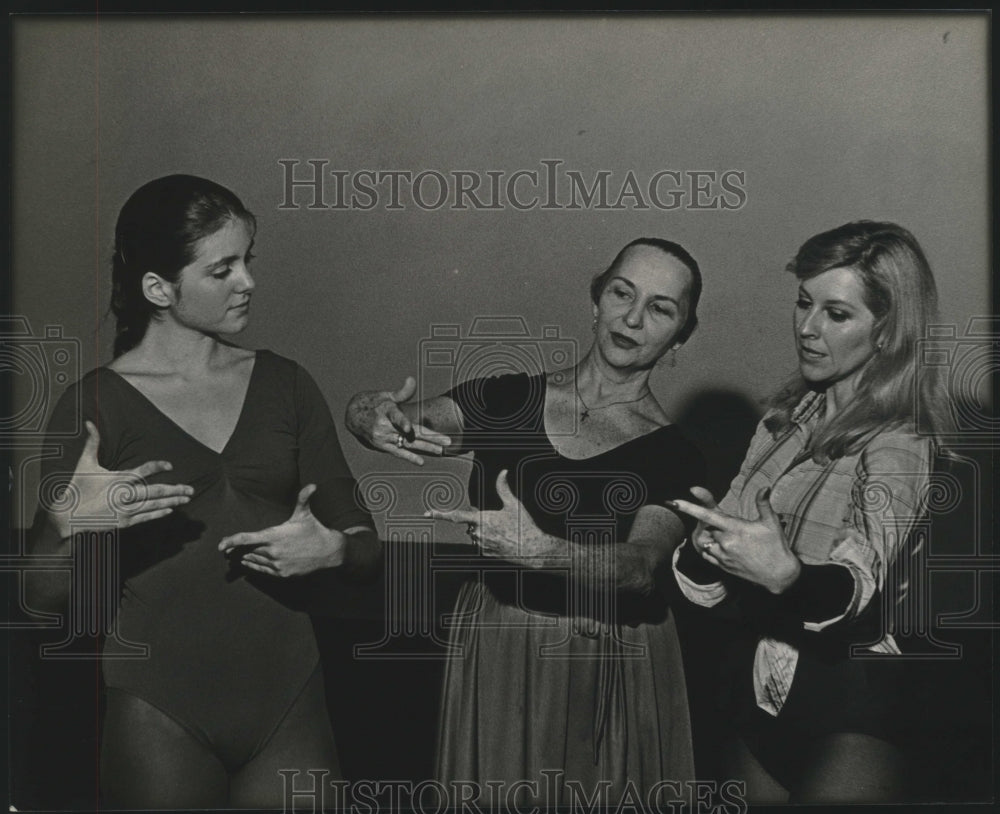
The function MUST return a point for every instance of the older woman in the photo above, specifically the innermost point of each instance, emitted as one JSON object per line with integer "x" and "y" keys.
{"x": 805, "y": 542}
{"x": 566, "y": 679}
{"x": 221, "y": 449}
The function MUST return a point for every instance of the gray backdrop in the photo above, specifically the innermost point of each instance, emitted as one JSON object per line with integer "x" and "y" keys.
{"x": 828, "y": 118}
{"x": 825, "y": 118}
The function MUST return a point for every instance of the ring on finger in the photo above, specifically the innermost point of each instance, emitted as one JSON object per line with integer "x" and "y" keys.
{"x": 399, "y": 440}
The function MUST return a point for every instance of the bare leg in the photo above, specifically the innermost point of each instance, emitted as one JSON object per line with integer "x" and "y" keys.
{"x": 739, "y": 763}
{"x": 302, "y": 741}
{"x": 148, "y": 760}
{"x": 849, "y": 767}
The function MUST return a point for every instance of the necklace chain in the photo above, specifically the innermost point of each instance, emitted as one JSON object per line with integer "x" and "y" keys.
{"x": 587, "y": 409}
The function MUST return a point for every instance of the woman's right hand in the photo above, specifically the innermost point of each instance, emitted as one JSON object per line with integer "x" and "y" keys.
{"x": 123, "y": 497}
{"x": 376, "y": 420}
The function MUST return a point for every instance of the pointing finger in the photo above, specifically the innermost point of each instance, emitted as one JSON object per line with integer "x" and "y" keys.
{"x": 710, "y": 516}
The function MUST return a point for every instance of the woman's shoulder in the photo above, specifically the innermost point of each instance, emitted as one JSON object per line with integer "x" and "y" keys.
{"x": 512, "y": 381}
{"x": 97, "y": 395}
{"x": 901, "y": 442}
{"x": 284, "y": 378}
{"x": 499, "y": 388}
{"x": 506, "y": 402}
{"x": 270, "y": 364}
{"x": 89, "y": 384}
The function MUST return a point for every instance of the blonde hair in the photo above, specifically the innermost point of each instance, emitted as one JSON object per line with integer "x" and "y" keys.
{"x": 900, "y": 292}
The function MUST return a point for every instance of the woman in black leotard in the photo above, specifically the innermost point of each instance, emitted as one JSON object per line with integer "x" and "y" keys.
{"x": 235, "y": 487}
{"x": 565, "y": 683}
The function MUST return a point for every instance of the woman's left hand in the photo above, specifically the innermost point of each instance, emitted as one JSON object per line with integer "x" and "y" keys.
{"x": 506, "y": 534}
{"x": 754, "y": 550}
{"x": 298, "y": 546}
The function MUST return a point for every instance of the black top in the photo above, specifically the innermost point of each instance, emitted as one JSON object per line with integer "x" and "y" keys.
{"x": 589, "y": 500}
{"x": 225, "y": 649}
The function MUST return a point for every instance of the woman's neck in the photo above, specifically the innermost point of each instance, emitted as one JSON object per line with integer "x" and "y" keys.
{"x": 602, "y": 382}
{"x": 838, "y": 395}
{"x": 169, "y": 348}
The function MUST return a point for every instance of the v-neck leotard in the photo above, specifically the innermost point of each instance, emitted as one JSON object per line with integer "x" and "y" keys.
{"x": 227, "y": 656}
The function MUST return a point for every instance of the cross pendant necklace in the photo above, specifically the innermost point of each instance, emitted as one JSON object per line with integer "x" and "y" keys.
{"x": 587, "y": 410}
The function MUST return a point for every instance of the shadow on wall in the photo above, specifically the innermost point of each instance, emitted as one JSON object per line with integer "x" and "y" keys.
{"x": 721, "y": 423}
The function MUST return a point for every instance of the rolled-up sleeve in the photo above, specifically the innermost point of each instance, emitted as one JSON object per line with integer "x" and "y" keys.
{"x": 888, "y": 499}
{"x": 705, "y": 594}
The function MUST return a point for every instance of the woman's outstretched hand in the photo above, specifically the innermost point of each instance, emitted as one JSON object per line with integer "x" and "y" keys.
{"x": 298, "y": 546}
{"x": 754, "y": 550}
{"x": 123, "y": 497}
{"x": 375, "y": 419}
{"x": 508, "y": 533}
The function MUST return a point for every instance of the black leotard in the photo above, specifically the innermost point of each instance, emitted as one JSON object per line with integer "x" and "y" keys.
{"x": 227, "y": 656}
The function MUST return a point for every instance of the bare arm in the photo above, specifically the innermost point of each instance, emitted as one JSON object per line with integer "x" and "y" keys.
{"x": 510, "y": 534}
{"x": 633, "y": 565}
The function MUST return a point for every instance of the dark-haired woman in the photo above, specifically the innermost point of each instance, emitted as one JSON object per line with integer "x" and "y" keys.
{"x": 565, "y": 685}
{"x": 236, "y": 483}
{"x": 806, "y": 542}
